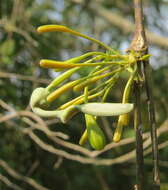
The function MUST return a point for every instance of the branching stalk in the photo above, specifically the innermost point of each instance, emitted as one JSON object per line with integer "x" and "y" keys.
{"x": 152, "y": 125}
{"x": 138, "y": 45}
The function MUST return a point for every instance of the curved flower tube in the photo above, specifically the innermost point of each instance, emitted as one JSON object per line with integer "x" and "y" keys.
{"x": 38, "y": 105}
{"x": 123, "y": 120}
{"x": 37, "y": 101}
{"x": 46, "y": 63}
{"x": 38, "y": 97}
{"x": 61, "y": 78}
{"x": 60, "y": 28}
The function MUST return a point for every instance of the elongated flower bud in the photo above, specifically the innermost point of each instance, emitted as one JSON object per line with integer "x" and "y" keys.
{"x": 53, "y": 28}
{"x": 61, "y": 90}
{"x": 46, "y": 63}
{"x": 90, "y": 81}
{"x": 83, "y": 138}
{"x": 80, "y": 100}
{"x": 122, "y": 122}
{"x": 61, "y": 78}
{"x": 60, "y": 28}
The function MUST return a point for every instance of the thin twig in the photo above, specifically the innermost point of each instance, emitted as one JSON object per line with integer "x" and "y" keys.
{"x": 18, "y": 176}
{"x": 11, "y": 185}
{"x": 6, "y": 106}
{"x": 84, "y": 160}
{"x": 58, "y": 162}
{"x": 41, "y": 125}
{"x": 117, "y": 20}
{"x": 23, "y": 77}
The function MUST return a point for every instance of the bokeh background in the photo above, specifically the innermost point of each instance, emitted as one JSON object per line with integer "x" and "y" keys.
{"x": 24, "y": 164}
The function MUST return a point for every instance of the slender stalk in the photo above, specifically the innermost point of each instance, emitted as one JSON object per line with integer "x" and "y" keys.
{"x": 139, "y": 141}
{"x": 138, "y": 44}
{"x": 152, "y": 125}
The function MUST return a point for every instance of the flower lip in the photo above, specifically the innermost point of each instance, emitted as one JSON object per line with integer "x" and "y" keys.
{"x": 105, "y": 109}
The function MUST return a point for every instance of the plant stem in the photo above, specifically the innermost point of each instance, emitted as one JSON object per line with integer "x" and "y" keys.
{"x": 139, "y": 141}
{"x": 139, "y": 44}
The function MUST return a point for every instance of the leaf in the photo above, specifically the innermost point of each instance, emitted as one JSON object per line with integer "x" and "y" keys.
{"x": 7, "y": 48}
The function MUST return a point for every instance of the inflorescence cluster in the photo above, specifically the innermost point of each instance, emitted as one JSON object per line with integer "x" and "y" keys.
{"x": 105, "y": 70}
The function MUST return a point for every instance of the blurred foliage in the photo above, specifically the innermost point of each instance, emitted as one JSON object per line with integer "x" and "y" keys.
{"x": 21, "y": 49}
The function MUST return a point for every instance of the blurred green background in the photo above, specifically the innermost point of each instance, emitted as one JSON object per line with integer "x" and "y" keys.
{"x": 21, "y": 48}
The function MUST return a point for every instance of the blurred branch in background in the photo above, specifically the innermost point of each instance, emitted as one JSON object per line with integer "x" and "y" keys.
{"x": 123, "y": 24}
{"x": 41, "y": 125}
{"x": 23, "y": 77}
{"x": 9, "y": 184}
{"x": 18, "y": 176}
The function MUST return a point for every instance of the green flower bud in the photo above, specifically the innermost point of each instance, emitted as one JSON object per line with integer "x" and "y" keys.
{"x": 95, "y": 134}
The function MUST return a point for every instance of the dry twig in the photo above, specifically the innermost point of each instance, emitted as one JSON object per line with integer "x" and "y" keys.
{"x": 18, "y": 176}
{"x": 11, "y": 185}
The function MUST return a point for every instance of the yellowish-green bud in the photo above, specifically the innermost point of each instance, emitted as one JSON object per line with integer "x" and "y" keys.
{"x": 83, "y": 138}
{"x": 123, "y": 120}
{"x": 60, "y": 28}
{"x": 95, "y": 134}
